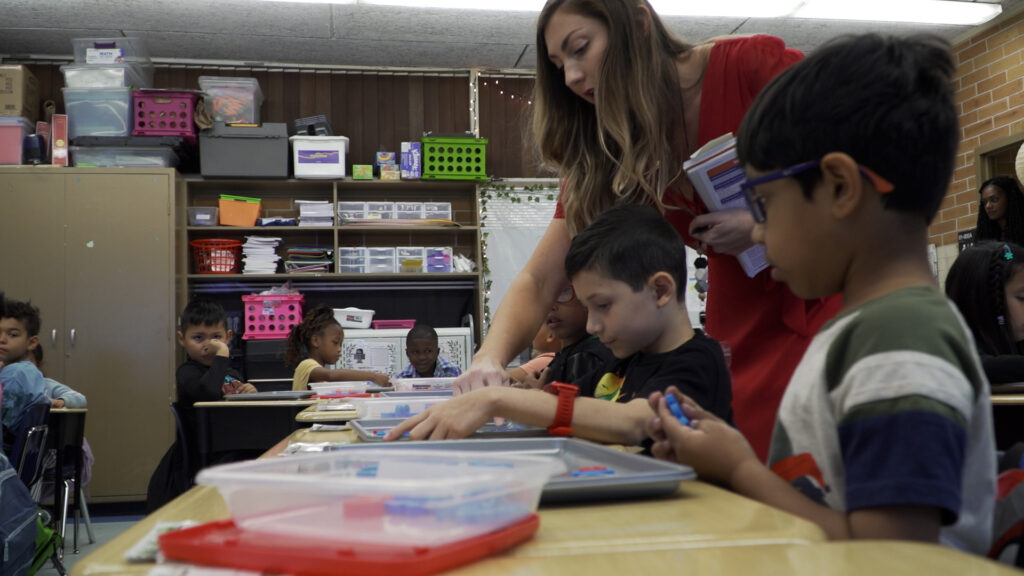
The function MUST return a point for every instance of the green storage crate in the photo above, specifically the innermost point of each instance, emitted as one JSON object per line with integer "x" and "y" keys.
{"x": 454, "y": 158}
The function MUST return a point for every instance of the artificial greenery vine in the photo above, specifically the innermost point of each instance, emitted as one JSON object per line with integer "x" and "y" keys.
{"x": 495, "y": 189}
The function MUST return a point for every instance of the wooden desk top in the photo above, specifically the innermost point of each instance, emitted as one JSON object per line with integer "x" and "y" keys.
{"x": 312, "y": 414}
{"x": 68, "y": 410}
{"x": 1007, "y": 399}
{"x": 253, "y": 403}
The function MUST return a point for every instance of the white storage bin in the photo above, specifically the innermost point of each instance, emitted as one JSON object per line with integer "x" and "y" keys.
{"x": 385, "y": 210}
{"x": 423, "y": 384}
{"x": 319, "y": 156}
{"x": 409, "y": 210}
{"x": 107, "y": 75}
{"x": 396, "y": 407}
{"x": 353, "y": 317}
{"x": 202, "y": 215}
{"x": 98, "y": 111}
{"x": 426, "y": 497}
{"x": 351, "y": 210}
{"x": 123, "y": 157}
{"x": 437, "y": 210}
{"x": 411, "y": 259}
{"x": 352, "y": 256}
{"x": 351, "y": 268}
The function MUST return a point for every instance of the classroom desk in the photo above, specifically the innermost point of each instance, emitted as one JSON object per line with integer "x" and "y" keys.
{"x": 67, "y": 428}
{"x": 311, "y": 414}
{"x": 1007, "y": 399}
{"x": 244, "y": 425}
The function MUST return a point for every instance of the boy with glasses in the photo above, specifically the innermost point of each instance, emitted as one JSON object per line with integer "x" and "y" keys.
{"x": 885, "y": 428}
{"x": 628, "y": 268}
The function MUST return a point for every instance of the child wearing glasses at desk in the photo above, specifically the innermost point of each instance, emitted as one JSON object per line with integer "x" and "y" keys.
{"x": 581, "y": 354}
{"x": 885, "y": 428}
{"x": 424, "y": 356}
{"x": 316, "y": 342}
{"x": 628, "y": 268}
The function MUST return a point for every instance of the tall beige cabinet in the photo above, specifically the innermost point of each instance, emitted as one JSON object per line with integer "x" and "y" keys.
{"x": 94, "y": 248}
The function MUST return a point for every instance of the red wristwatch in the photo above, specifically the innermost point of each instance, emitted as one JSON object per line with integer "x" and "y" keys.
{"x": 562, "y": 426}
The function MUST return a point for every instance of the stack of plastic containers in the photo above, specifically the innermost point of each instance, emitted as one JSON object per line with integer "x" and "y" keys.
{"x": 98, "y": 102}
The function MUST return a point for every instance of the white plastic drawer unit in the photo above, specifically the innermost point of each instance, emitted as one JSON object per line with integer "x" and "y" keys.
{"x": 384, "y": 350}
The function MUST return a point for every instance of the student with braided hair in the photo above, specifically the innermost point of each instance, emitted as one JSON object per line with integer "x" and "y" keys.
{"x": 316, "y": 342}
{"x": 1001, "y": 214}
{"x": 987, "y": 285}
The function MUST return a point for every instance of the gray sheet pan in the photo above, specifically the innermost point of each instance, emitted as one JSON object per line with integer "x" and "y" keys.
{"x": 635, "y": 476}
{"x": 417, "y": 394}
{"x": 366, "y": 429}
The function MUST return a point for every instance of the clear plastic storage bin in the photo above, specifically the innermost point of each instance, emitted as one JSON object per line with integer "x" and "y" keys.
{"x": 98, "y": 111}
{"x": 385, "y": 210}
{"x": 409, "y": 210}
{"x": 425, "y": 497}
{"x": 437, "y": 210}
{"x": 423, "y": 384}
{"x": 202, "y": 216}
{"x": 107, "y": 75}
{"x": 396, "y": 407}
{"x": 351, "y": 210}
{"x": 355, "y": 387}
{"x": 232, "y": 100}
{"x": 439, "y": 259}
{"x": 123, "y": 157}
{"x": 110, "y": 50}
{"x": 410, "y": 259}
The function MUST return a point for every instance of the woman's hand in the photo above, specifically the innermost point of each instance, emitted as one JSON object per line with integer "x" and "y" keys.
{"x": 714, "y": 449}
{"x": 724, "y": 231}
{"x": 483, "y": 372}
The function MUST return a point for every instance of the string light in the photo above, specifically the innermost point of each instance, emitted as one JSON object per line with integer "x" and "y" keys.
{"x": 503, "y": 90}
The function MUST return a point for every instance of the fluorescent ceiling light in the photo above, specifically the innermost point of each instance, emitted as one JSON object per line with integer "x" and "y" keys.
{"x": 961, "y": 13}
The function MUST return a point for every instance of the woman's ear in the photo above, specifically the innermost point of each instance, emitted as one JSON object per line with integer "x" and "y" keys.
{"x": 843, "y": 183}
{"x": 643, "y": 16}
{"x": 664, "y": 287}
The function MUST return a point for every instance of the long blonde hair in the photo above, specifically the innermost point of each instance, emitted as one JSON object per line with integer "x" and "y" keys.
{"x": 620, "y": 149}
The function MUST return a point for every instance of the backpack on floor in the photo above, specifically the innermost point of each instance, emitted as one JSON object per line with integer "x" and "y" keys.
{"x": 17, "y": 522}
{"x": 47, "y": 542}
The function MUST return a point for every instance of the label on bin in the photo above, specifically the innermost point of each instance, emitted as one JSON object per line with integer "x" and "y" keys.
{"x": 103, "y": 55}
{"x": 319, "y": 157}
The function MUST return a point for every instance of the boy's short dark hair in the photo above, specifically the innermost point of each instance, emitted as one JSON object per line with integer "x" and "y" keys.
{"x": 25, "y": 312}
{"x": 421, "y": 331}
{"x": 629, "y": 243}
{"x": 203, "y": 312}
{"x": 885, "y": 101}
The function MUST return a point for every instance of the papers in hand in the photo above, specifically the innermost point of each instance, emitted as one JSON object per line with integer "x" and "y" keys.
{"x": 716, "y": 175}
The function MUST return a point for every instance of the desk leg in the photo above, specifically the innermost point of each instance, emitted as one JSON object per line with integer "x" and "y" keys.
{"x": 60, "y": 489}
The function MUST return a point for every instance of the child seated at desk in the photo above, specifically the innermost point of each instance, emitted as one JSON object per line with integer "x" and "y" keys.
{"x": 581, "y": 354}
{"x": 424, "y": 356}
{"x": 316, "y": 342}
{"x": 22, "y": 381}
{"x": 987, "y": 284}
{"x": 629, "y": 269}
{"x": 885, "y": 428}
{"x": 542, "y": 349}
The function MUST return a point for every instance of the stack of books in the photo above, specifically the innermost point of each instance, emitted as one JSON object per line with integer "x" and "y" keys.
{"x": 259, "y": 255}
{"x": 315, "y": 213}
{"x": 309, "y": 259}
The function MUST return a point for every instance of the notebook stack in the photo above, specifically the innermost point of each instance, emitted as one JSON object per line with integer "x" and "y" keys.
{"x": 309, "y": 259}
{"x": 315, "y": 213}
{"x": 259, "y": 255}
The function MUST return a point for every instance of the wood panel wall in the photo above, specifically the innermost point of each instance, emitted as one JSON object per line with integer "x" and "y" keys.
{"x": 376, "y": 110}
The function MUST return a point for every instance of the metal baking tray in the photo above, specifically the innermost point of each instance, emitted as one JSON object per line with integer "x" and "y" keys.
{"x": 373, "y": 430}
{"x": 633, "y": 476}
{"x": 417, "y": 394}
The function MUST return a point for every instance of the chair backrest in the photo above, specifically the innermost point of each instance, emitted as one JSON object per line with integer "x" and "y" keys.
{"x": 67, "y": 434}
{"x": 182, "y": 438}
{"x": 30, "y": 443}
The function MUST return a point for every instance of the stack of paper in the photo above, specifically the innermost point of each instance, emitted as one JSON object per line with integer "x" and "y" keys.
{"x": 306, "y": 259}
{"x": 259, "y": 255}
{"x": 315, "y": 213}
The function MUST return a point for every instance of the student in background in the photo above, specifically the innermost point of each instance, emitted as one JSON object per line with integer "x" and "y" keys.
{"x": 22, "y": 381}
{"x": 543, "y": 349}
{"x": 60, "y": 395}
{"x": 1001, "y": 214}
{"x": 316, "y": 342}
{"x": 581, "y": 356}
{"x": 885, "y": 430}
{"x": 619, "y": 104}
{"x": 205, "y": 376}
{"x": 987, "y": 283}
{"x": 629, "y": 269}
{"x": 424, "y": 356}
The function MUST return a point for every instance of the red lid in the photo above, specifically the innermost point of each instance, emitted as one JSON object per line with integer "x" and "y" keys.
{"x": 224, "y": 544}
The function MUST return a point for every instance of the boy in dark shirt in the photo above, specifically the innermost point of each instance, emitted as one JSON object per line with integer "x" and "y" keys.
{"x": 629, "y": 269}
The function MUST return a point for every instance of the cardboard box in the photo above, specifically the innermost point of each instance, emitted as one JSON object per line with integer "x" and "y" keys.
{"x": 390, "y": 172}
{"x": 59, "y": 139}
{"x": 412, "y": 165}
{"x": 19, "y": 92}
{"x": 386, "y": 158}
{"x": 362, "y": 172}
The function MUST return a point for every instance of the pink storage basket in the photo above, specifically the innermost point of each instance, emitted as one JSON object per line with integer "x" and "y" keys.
{"x": 271, "y": 316}
{"x": 386, "y": 324}
{"x": 164, "y": 113}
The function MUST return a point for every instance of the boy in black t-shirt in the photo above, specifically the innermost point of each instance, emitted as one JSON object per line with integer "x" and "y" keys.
{"x": 629, "y": 270}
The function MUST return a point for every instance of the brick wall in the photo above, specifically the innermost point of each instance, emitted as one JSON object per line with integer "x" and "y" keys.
{"x": 989, "y": 87}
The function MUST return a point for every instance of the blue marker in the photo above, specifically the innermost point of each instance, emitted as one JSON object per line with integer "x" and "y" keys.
{"x": 676, "y": 409}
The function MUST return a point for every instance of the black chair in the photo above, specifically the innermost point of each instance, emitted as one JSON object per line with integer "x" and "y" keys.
{"x": 29, "y": 448}
{"x": 182, "y": 440}
{"x": 67, "y": 432}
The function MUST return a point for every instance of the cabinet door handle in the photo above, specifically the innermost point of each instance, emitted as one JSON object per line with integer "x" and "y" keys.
{"x": 53, "y": 338}
{"x": 72, "y": 337}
